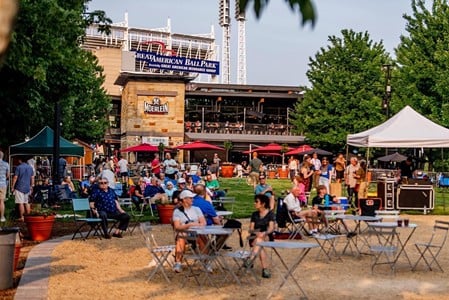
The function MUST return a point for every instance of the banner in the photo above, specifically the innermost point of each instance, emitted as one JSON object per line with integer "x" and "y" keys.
{"x": 179, "y": 64}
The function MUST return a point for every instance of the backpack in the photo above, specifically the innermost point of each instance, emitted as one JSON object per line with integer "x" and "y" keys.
{"x": 281, "y": 214}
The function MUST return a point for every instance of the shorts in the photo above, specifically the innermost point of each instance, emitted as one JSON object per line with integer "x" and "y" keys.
{"x": 21, "y": 198}
{"x": 340, "y": 174}
{"x": 2, "y": 194}
{"x": 124, "y": 174}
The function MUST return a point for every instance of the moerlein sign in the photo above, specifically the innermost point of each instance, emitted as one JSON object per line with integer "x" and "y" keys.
{"x": 155, "y": 107}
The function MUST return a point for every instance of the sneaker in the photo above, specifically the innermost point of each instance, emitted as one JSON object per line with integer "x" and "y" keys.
{"x": 247, "y": 264}
{"x": 177, "y": 267}
{"x": 226, "y": 247}
{"x": 266, "y": 273}
{"x": 3, "y": 219}
{"x": 209, "y": 268}
{"x": 117, "y": 235}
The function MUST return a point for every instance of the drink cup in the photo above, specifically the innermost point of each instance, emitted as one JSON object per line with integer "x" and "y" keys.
{"x": 399, "y": 222}
{"x": 406, "y": 221}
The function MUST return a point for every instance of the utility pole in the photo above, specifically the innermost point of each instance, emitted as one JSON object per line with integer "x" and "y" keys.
{"x": 387, "y": 95}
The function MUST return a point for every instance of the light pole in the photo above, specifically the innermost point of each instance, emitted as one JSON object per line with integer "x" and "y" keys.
{"x": 387, "y": 96}
{"x": 288, "y": 122}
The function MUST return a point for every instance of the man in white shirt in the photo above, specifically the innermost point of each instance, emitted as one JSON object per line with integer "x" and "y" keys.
{"x": 123, "y": 166}
{"x": 294, "y": 207}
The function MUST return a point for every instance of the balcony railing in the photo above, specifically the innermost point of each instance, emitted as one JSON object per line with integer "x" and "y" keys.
{"x": 239, "y": 128}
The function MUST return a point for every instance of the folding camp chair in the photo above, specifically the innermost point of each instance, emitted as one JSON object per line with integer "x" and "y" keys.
{"x": 296, "y": 225}
{"x": 81, "y": 206}
{"x": 433, "y": 247}
{"x": 158, "y": 253}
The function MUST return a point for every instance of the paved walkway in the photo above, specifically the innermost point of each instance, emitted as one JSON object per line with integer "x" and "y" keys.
{"x": 34, "y": 281}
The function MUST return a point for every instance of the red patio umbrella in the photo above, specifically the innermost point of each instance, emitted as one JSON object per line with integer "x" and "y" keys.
{"x": 270, "y": 148}
{"x": 198, "y": 145}
{"x": 141, "y": 148}
{"x": 299, "y": 150}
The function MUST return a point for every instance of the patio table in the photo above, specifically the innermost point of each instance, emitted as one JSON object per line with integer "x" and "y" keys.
{"x": 289, "y": 269}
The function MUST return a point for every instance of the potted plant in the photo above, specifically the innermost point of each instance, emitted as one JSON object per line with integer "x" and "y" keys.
{"x": 40, "y": 223}
{"x": 283, "y": 171}
{"x": 227, "y": 168}
{"x": 165, "y": 211}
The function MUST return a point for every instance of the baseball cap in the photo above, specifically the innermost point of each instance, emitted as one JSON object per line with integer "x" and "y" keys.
{"x": 169, "y": 183}
{"x": 181, "y": 180}
{"x": 186, "y": 193}
{"x": 201, "y": 182}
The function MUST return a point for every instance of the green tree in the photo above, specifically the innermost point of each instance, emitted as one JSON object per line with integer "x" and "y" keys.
{"x": 347, "y": 87}
{"x": 304, "y": 8}
{"x": 422, "y": 81}
{"x": 45, "y": 64}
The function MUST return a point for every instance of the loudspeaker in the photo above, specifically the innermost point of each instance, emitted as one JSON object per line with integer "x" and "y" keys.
{"x": 415, "y": 197}
{"x": 385, "y": 191}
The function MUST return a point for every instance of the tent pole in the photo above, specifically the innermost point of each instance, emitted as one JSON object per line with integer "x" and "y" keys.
{"x": 367, "y": 158}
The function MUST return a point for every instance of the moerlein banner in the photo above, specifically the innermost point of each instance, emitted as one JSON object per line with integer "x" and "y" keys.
{"x": 180, "y": 64}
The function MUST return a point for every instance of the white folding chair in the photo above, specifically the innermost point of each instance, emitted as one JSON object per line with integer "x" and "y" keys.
{"x": 433, "y": 247}
{"x": 327, "y": 241}
{"x": 388, "y": 215}
{"x": 386, "y": 246}
{"x": 158, "y": 253}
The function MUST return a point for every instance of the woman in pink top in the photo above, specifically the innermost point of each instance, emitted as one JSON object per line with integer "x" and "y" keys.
{"x": 298, "y": 182}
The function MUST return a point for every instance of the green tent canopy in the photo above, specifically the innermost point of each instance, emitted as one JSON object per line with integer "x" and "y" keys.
{"x": 42, "y": 144}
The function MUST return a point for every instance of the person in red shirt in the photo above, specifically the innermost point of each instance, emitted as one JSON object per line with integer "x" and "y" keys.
{"x": 156, "y": 165}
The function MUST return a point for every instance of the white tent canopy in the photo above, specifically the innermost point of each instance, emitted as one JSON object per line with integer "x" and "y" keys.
{"x": 406, "y": 129}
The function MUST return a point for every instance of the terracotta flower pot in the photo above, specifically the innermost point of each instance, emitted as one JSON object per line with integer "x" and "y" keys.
{"x": 40, "y": 227}
{"x": 283, "y": 173}
{"x": 227, "y": 171}
{"x": 165, "y": 213}
{"x": 272, "y": 174}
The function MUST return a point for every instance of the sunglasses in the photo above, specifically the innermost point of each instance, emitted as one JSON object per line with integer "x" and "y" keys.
{"x": 103, "y": 182}
{"x": 261, "y": 177}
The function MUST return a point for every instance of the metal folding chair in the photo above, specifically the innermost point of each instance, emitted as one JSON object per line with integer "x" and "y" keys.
{"x": 388, "y": 215}
{"x": 295, "y": 225}
{"x": 136, "y": 216}
{"x": 158, "y": 253}
{"x": 81, "y": 206}
{"x": 243, "y": 260}
{"x": 327, "y": 243}
{"x": 433, "y": 247}
{"x": 386, "y": 246}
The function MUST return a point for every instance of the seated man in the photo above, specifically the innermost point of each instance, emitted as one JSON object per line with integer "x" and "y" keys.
{"x": 155, "y": 192}
{"x": 263, "y": 188}
{"x": 214, "y": 186}
{"x": 294, "y": 206}
{"x": 86, "y": 186}
{"x": 206, "y": 207}
{"x": 104, "y": 204}
{"x": 185, "y": 216}
{"x": 322, "y": 201}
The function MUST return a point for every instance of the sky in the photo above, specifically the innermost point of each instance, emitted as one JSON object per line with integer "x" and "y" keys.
{"x": 278, "y": 47}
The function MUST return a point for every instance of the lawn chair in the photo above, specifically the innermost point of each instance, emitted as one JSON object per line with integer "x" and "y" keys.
{"x": 287, "y": 222}
{"x": 433, "y": 247}
{"x": 158, "y": 253}
{"x": 81, "y": 207}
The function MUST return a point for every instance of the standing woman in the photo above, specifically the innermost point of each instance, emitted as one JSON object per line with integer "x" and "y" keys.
{"x": 361, "y": 187}
{"x": 340, "y": 166}
{"x": 215, "y": 166}
{"x": 292, "y": 167}
{"x": 261, "y": 228}
{"x": 307, "y": 172}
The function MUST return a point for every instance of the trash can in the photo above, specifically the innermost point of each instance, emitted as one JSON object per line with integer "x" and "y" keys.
{"x": 7, "y": 245}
